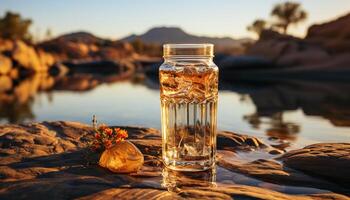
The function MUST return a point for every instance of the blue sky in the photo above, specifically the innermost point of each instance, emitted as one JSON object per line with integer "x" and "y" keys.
{"x": 117, "y": 18}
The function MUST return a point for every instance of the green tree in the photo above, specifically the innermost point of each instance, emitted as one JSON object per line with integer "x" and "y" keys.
{"x": 288, "y": 13}
{"x": 13, "y": 26}
{"x": 258, "y": 26}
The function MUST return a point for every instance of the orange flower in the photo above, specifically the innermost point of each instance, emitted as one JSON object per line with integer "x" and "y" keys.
{"x": 122, "y": 134}
{"x": 105, "y": 137}
{"x": 119, "y": 140}
{"x": 108, "y": 144}
{"x": 108, "y": 131}
{"x": 97, "y": 136}
{"x": 116, "y": 130}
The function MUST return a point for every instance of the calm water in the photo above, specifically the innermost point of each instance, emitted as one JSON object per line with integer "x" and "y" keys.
{"x": 243, "y": 109}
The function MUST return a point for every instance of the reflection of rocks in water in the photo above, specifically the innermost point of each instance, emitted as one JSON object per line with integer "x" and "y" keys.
{"x": 22, "y": 90}
{"x": 87, "y": 75}
{"x": 15, "y": 112}
{"x": 175, "y": 180}
{"x": 84, "y": 82}
{"x": 78, "y": 82}
{"x": 253, "y": 119}
{"x": 329, "y": 100}
{"x": 100, "y": 67}
{"x": 16, "y": 99}
{"x": 326, "y": 99}
{"x": 277, "y": 129}
{"x": 17, "y": 93}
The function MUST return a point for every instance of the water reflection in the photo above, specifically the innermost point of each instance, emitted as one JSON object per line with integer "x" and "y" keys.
{"x": 263, "y": 109}
{"x": 277, "y": 128}
{"x": 14, "y": 112}
{"x": 175, "y": 180}
{"x": 329, "y": 100}
{"x": 16, "y": 101}
{"x": 17, "y": 95}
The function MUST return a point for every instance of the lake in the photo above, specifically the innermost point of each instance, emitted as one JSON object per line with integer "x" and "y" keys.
{"x": 293, "y": 114}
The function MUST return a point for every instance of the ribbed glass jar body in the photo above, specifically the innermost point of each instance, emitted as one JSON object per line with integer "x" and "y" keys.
{"x": 189, "y": 94}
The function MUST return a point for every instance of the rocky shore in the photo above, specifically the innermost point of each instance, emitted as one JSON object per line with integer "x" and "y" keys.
{"x": 49, "y": 160}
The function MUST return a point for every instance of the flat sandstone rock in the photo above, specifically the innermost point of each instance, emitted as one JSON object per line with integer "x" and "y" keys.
{"x": 329, "y": 160}
{"x": 49, "y": 160}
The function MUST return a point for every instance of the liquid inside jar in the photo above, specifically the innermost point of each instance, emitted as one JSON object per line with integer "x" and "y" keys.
{"x": 189, "y": 93}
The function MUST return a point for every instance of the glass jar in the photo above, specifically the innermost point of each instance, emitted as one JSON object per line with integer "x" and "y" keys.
{"x": 189, "y": 94}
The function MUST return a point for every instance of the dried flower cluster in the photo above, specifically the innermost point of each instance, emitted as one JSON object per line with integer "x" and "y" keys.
{"x": 105, "y": 137}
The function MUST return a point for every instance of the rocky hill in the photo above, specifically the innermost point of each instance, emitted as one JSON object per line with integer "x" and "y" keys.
{"x": 326, "y": 46}
{"x": 333, "y": 35}
{"x": 83, "y": 45}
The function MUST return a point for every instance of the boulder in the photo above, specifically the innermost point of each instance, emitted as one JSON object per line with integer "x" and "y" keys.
{"x": 6, "y": 45}
{"x": 5, "y": 83}
{"x": 243, "y": 63}
{"x": 46, "y": 59}
{"x": 14, "y": 73}
{"x": 338, "y": 28}
{"x": 329, "y": 160}
{"x": 322, "y": 44}
{"x": 273, "y": 172}
{"x": 116, "y": 51}
{"x": 309, "y": 56}
{"x": 335, "y": 62}
{"x": 29, "y": 58}
{"x": 230, "y": 140}
{"x": 287, "y": 51}
{"x": 272, "y": 45}
{"x": 333, "y": 35}
{"x": 5, "y": 65}
{"x": 26, "y": 56}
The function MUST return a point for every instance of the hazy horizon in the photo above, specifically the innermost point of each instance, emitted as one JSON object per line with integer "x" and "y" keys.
{"x": 115, "y": 20}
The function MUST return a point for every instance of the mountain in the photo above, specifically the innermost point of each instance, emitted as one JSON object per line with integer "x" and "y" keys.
{"x": 161, "y": 35}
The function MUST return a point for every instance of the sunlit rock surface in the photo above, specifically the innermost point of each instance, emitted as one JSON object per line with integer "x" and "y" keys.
{"x": 123, "y": 157}
{"x": 326, "y": 46}
{"x": 5, "y": 65}
{"x": 330, "y": 160}
{"x": 30, "y": 58}
{"x": 49, "y": 160}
